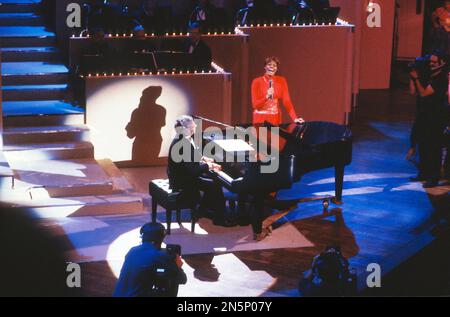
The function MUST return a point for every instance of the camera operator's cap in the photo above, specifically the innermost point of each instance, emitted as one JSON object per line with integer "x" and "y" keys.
{"x": 154, "y": 232}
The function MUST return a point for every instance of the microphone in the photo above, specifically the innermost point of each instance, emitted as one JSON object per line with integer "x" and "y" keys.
{"x": 270, "y": 87}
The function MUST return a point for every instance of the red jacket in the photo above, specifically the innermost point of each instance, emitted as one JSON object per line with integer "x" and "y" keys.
{"x": 269, "y": 109}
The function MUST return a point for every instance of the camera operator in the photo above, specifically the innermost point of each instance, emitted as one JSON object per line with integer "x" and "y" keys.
{"x": 430, "y": 84}
{"x": 148, "y": 270}
{"x": 329, "y": 276}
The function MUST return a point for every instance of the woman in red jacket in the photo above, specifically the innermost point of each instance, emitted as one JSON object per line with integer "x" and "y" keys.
{"x": 267, "y": 91}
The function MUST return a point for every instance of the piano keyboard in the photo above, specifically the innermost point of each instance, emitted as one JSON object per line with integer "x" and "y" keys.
{"x": 225, "y": 177}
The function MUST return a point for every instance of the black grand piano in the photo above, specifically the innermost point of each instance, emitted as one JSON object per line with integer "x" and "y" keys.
{"x": 318, "y": 145}
{"x": 302, "y": 148}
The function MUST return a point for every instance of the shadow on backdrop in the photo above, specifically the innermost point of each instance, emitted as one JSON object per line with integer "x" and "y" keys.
{"x": 145, "y": 127}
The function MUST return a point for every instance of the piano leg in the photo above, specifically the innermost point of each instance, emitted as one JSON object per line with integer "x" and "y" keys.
{"x": 339, "y": 183}
{"x": 154, "y": 210}
{"x": 168, "y": 220}
{"x": 194, "y": 217}
{"x": 257, "y": 213}
{"x": 243, "y": 214}
{"x": 179, "y": 217}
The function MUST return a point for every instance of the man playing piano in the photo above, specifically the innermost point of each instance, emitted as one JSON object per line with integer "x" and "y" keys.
{"x": 267, "y": 92}
{"x": 187, "y": 171}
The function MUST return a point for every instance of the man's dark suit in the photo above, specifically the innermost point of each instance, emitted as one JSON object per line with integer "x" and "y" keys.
{"x": 184, "y": 175}
{"x": 187, "y": 178}
{"x": 201, "y": 54}
{"x": 428, "y": 127}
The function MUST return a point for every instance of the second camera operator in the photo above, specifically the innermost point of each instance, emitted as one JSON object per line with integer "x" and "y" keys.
{"x": 429, "y": 81}
{"x": 149, "y": 271}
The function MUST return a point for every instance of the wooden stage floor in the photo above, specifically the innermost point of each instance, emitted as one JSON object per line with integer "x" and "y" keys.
{"x": 386, "y": 218}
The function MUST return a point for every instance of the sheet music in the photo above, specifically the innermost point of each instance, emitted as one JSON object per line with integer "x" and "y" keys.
{"x": 234, "y": 145}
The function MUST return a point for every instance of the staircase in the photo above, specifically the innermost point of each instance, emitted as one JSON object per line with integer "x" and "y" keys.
{"x": 46, "y": 144}
{"x": 31, "y": 66}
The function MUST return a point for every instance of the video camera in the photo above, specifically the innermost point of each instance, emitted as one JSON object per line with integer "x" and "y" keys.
{"x": 164, "y": 282}
{"x": 422, "y": 66}
{"x": 330, "y": 275}
{"x": 174, "y": 249}
{"x": 426, "y": 69}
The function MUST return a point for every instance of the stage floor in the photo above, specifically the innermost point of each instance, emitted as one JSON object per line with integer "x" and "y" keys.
{"x": 386, "y": 219}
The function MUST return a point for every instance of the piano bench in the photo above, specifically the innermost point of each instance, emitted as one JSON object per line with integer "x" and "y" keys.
{"x": 170, "y": 200}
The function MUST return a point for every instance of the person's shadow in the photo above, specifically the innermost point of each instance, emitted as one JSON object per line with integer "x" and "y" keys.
{"x": 145, "y": 127}
{"x": 204, "y": 269}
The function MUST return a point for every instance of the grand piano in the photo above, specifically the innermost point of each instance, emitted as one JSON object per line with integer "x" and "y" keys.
{"x": 302, "y": 148}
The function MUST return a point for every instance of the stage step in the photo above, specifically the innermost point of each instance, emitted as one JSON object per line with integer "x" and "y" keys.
{"x": 33, "y": 68}
{"x": 50, "y": 151}
{"x": 120, "y": 182}
{"x": 6, "y": 173}
{"x": 20, "y": 120}
{"x": 19, "y": 5}
{"x": 6, "y": 183}
{"x": 62, "y": 178}
{"x": 29, "y": 54}
{"x": 41, "y": 113}
{"x": 35, "y": 79}
{"x": 71, "y": 190}
{"x": 20, "y": 19}
{"x": 24, "y": 32}
{"x": 17, "y": 192}
{"x": 45, "y": 134}
{"x": 28, "y": 41}
{"x": 34, "y": 92}
{"x": 34, "y": 73}
{"x": 62, "y": 188}
{"x": 85, "y": 206}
